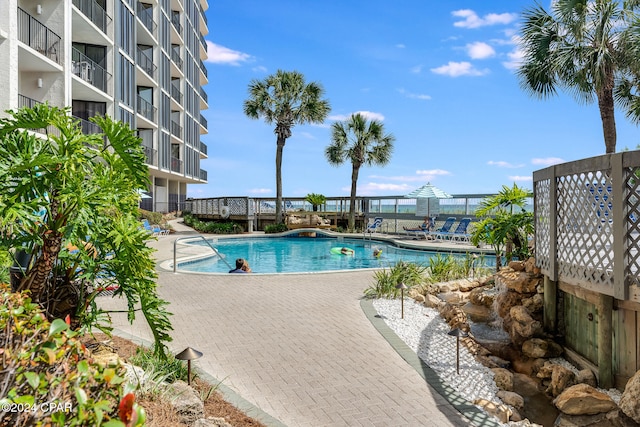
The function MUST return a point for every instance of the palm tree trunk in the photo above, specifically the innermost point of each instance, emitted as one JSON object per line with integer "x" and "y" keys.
{"x": 606, "y": 105}
{"x": 36, "y": 279}
{"x": 352, "y": 205}
{"x": 279, "y": 150}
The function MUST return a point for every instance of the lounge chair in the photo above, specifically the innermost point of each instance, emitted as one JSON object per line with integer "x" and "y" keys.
{"x": 460, "y": 234}
{"x": 444, "y": 230}
{"x": 155, "y": 230}
{"x": 374, "y": 227}
{"x": 422, "y": 230}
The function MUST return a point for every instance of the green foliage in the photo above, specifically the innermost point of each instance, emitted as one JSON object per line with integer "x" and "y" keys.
{"x": 285, "y": 99}
{"x": 386, "y": 280}
{"x": 275, "y": 228}
{"x": 214, "y": 227}
{"x": 5, "y": 262}
{"x": 45, "y": 363}
{"x": 316, "y": 200}
{"x": 361, "y": 142}
{"x": 501, "y": 227}
{"x": 443, "y": 268}
{"x": 169, "y": 368}
{"x": 70, "y": 201}
{"x": 152, "y": 217}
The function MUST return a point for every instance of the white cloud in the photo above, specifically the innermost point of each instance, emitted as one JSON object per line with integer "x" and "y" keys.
{"x": 223, "y": 55}
{"x": 400, "y": 46}
{"x": 260, "y": 191}
{"x": 402, "y": 178}
{"x": 260, "y": 69}
{"x": 379, "y": 188}
{"x": 503, "y": 164}
{"x": 433, "y": 172}
{"x": 417, "y": 69}
{"x": 480, "y": 50}
{"x": 548, "y": 161}
{"x": 470, "y": 19}
{"x": 367, "y": 114}
{"x": 518, "y": 178}
{"x": 457, "y": 69}
{"x": 411, "y": 95}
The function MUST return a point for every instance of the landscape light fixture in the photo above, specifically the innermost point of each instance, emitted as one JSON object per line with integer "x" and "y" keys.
{"x": 189, "y": 354}
{"x": 457, "y": 332}
{"x": 402, "y": 287}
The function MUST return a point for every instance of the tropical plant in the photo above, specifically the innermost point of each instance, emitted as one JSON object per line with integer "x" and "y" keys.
{"x": 591, "y": 48}
{"x": 284, "y": 98}
{"x": 69, "y": 204}
{"x": 316, "y": 200}
{"x": 169, "y": 368}
{"x": 409, "y": 273}
{"x": 361, "y": 142}
{"x": 501, "y": 227}
{"x": 275, "y": 228}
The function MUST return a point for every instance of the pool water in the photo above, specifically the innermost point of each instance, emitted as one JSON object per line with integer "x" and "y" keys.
{"x": 300, "y": 254}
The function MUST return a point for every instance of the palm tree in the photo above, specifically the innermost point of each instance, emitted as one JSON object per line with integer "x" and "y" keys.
{"x": 285, "y": 99}
{"x": 361, "y": 142}
{"x": 590, "y": 49}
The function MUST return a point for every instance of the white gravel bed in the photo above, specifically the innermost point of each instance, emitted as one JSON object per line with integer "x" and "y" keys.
{"x": 425, "y": 332}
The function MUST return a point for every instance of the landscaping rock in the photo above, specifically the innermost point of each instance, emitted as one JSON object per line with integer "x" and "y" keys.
{"x": 482, "y": 296}
{"x": 517, "y": 265}
{"x": 538, "y": 347}
{"x": 478, "y": 313}
{"x": 433, "y": 301}
{"x": 186, "y": 402}
{"x": 511, "y": 399}
{"x": 561, "y": 378}
{"x": 518, "y": 281}
{"x": 522, "y": 325}
{"x": 582, "y": 399}
{"x": 503, "y": 379}
{"x": 586, "y": 376}
{"x": 630, "y": 400}
{"x": 506, "y": 300}
{"x": 530, "y": 267}
{"x": 534, "y": 304}
{"x": 498, "y": 410}
{"x": 615, "y": 418}
{"x": 212, "y": 422}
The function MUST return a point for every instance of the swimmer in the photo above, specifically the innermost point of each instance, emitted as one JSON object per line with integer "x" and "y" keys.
{"x": 346, "y": 251}
{"x": 377, "y": 252}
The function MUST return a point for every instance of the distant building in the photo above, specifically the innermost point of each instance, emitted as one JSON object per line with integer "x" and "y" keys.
{"x": 139, "y": 62}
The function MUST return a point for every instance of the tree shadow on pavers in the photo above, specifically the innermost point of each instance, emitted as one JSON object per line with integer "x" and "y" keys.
{"x": 444, "y": 356}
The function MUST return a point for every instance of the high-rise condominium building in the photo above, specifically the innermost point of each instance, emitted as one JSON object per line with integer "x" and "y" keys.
{"x": 138, "y": 61}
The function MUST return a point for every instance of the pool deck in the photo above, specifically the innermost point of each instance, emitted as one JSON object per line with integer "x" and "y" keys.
{"x": 299, "y": 349}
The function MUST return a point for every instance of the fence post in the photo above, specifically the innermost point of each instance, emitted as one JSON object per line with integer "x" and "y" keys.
{"x": 605, "y": 341}
{"x": 620, "y": 218}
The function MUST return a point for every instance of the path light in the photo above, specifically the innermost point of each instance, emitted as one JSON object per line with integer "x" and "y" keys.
{"x": 402, "y": 287}
{"x": 457, "y": 332}
{"x": 188, "y": 354}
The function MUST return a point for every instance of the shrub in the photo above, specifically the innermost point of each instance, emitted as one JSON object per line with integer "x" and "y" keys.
{"x": 47, "y": 374}
{"x": 214, "y": 227}
{"x": 275, "y": 228}
{"x": 170, "y": 368}
{"x": 152, "y": 217}
{"x": 386, "y": 280}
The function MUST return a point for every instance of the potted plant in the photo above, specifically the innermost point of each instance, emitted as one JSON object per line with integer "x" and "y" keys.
{"x": 316, "y": 200}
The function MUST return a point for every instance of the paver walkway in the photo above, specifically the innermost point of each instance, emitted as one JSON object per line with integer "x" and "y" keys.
{"x": 297, "y": 346}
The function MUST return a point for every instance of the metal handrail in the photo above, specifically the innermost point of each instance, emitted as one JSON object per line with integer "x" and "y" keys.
{"x": 175, "y": 246}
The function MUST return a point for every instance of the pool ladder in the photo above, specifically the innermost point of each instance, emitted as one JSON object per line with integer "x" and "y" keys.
{"x": 175, "y": 245}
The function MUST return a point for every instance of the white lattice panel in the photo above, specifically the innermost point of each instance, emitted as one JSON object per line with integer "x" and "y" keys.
{"x": 632, "y": 215}
{"x": 543, "y": 232}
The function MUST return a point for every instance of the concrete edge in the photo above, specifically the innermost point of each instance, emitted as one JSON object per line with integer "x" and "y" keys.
{"x": 476, "y": 416}
{"x": 229, "y": 395}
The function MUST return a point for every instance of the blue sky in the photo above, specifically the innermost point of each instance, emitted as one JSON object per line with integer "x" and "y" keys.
{"x": 439, "y": 74}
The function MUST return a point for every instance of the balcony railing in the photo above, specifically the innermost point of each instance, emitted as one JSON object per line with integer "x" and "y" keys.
{"x": 203, "y": 15}
{"x": 176, "y": 94}
{"x": 176, "y": 165}
{"x": 203, "y": 147}
{"x": 151, "y": 154}
{"x": 38, "y": 36}
{"x": 203, "y": 121}
{"x": 175, "y": 20}
{"x": 176, "y": 129}
{"x": 203, "y": 175}
{"x": 96, "y": 13}
{"x": 204, "y": 95}
{"x": 88, "y": 127}
{"x": 146, "y": 17}
{"x": 146, "y": 109}
{"x": 175, "y": 57}
{"x": 204, "y": 69}
{"x": 89, "y": 71}
{"x": 147, "y": 64}
{"x": 25, "y": 101}
{"x": 203, "y": 42}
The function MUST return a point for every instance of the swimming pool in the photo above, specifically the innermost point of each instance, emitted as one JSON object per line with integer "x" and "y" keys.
{"x": 303, "y": 254}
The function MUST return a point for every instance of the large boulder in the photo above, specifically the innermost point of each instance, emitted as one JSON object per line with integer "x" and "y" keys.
{"x": 186, "y": 402}
{"x": 511, "y": 399}
{"x": 582, "y": 399}
{"x": 498, "y": 410}
{"x": 503, "y": 379}
{"x": 518, "y": 281}
{"x": 433, "y": 301}
{"x": 483, "y": 296}
{"x": 561, "y": 378}
{"x": 504, "y": 301}
{"x": 478, "y": 313}
{"x": 630, "y": 400}
{"x": 538, "y": 347}
{"x": 534, "y": 304}
{"x": 521, "y": 325}
{"x": 615, "y": 418}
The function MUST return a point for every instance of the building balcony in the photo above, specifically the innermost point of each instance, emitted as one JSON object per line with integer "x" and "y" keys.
{"x": 176, "y": 165}
{"x": 175, "y": 20}
{"x": 204, "y": 95}
{"x": 151, "y": 155}
{"x": 145, "y": 15}
{"x": 89, "y": 71}
{"x": 175, "y": 57}
{"x": 203, "y": 121}
{"x": 176, "y": 94}
{"x": 25, "y": 101}
{"x": 38, "y": 36}
{"x": 146, "y": 109}
{"x": 176, "y": 129}
{"x": 146, "y": 63}
{"x": 203, "y": 175}
{"x": 94, "y": 12}
{"x": 88, "y": 127}
{"x": 203, "y": 148}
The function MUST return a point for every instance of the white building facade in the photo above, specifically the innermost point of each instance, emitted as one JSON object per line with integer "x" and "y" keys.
{"x": 137, "y": 61}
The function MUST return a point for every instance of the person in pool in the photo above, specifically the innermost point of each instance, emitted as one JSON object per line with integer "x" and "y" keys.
{"x": 239, "y": 264}
{"x": 377, "y": 252}
{"x": 346, "y": 251}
